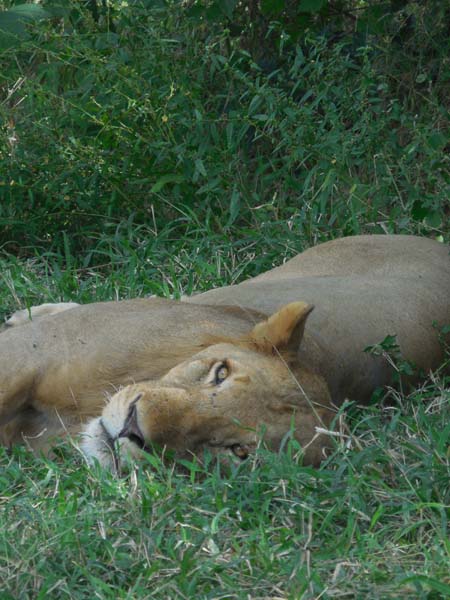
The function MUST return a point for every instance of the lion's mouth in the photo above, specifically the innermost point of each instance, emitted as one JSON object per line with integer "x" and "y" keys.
{"x": 110, "y": 444}
{"x": 131, "y": 429}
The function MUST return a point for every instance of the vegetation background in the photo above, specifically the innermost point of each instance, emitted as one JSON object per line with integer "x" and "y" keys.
{"x": 151, "y": 146}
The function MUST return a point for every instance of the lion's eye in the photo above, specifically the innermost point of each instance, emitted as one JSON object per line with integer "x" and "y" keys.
{"x": 221, "y": 373}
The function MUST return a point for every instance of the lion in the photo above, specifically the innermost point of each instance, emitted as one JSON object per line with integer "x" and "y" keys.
{"x": 224, "y": 370}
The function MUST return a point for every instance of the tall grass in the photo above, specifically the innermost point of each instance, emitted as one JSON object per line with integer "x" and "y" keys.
{"x": 372, "y": 522}
{"x": 160, "y": 123}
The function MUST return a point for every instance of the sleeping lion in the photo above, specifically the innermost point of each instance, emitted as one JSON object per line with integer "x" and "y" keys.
{"x": 224, "y": 369}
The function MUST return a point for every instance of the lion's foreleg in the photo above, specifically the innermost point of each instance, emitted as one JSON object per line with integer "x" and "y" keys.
{"x": 20, "y": 368}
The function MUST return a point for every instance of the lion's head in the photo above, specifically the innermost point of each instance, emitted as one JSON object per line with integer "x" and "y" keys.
{"x": 225, "y": 398}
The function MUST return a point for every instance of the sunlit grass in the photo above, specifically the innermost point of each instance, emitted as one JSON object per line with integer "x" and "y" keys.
{"x": 371, "y": 522}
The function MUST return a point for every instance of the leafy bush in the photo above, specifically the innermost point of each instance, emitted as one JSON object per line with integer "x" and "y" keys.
{"x": 150, "y": 114}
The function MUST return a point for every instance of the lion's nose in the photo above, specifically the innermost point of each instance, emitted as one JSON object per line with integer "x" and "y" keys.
{"x": 131, "y": 428}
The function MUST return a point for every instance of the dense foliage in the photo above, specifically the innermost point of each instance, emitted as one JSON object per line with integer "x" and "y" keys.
{"x": 330, "y": 120}
{"x": 151, "y": 146}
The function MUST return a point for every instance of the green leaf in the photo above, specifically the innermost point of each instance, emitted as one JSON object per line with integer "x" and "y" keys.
{"x": 10, "y": 24}
{"x": 227, "y": 7}
{"x": 372, "y": 20}
{"x": 312, "y": 6}
{"x": 214, "y": 12}
{"x": 58, "y": 8}
{"x": 13, "y": 23}
{"x": 30, "y": 12}
{"x": 165, "y": 179}
{"x": 106, "y": 40}
{"x": 433, "y": 219}
{"x": 200, "y": 167}
{"x": 195, "y": 12}
{"x": 235, "y": 205}
{"x": 437, "y": 141}
{"x": 272, "y": 7}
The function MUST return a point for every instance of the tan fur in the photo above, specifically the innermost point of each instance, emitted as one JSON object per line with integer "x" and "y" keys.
{"x": 262, "y": 397}
{"x": 58, "y": 372}
{"x": 276, "y": 332}
{"x": 21, "y": 317}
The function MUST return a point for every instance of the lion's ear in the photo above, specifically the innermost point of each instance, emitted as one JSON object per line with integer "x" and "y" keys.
{"x": 284, "y": 329}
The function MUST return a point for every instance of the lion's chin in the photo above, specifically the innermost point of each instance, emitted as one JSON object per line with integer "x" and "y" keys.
{"x": 112, "y": 453}
{"x": 98, "y": 446}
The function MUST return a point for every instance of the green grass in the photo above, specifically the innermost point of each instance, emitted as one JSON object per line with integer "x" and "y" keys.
{"x": 371, "y": 523}
{"x": 162, "y": 156}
